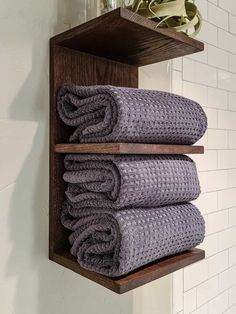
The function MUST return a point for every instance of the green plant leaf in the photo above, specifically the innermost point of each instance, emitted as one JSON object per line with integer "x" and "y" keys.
{"x": 181, "y": 15}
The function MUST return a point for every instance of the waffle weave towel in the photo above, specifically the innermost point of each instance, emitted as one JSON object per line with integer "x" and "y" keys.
{"x": 118, "y": 114}
{"x": 114, "y": 243}
{"x": 130, "y": 181}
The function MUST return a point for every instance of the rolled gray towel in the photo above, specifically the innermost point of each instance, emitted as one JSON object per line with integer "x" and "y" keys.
{"x": 121, "y": 114}
{"x": 130, "y": 181}
{"x": 114, "y": 243}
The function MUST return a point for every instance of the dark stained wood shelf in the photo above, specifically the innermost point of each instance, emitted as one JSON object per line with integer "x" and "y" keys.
{"x": 138, "y": 277}
{"x": 108, "y": 51}
{"x": 127, "y": 148}
{"x": 127, "y": 37}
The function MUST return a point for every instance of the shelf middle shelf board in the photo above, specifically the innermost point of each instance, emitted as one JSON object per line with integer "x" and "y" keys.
{"x": 127, "y": 148}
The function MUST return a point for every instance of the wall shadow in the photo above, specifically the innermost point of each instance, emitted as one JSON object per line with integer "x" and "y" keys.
{"x": 44, "y": 287}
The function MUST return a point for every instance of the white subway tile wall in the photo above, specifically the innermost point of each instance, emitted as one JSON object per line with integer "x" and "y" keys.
{"x": 190, "y": 303}
{"x": 232, "y": 295}
{"x": 232, "y": 256}
{"x": 232, "y": 24}
{"x": 207, "y": 290}
{"x": 209, "y": 286}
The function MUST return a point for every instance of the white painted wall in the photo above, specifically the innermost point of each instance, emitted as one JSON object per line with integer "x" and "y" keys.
{"x": 209, "y": 287}
{"x": 29, "y": 282}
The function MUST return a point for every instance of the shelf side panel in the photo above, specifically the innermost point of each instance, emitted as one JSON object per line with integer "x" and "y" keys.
{"x": 68, "y": 66}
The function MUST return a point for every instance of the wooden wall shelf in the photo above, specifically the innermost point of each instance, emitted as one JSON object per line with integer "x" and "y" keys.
{"x": 108, "y": 50}
{"x": 127, "y": 148}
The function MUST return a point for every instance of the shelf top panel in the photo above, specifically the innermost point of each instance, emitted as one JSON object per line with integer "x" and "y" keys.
{"x": 137, "y": 278}
{"x": 127, "y": 148}
{"x": 127, "y": 37}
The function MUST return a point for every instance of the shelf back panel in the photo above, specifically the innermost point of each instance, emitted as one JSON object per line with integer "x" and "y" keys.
{"x": 68, "y": 66}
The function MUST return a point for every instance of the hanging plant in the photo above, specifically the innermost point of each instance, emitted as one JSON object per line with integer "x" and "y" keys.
{"x": 181, "y": 15}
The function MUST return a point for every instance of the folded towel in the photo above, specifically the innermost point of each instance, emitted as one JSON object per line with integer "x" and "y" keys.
{"x": 130, "y": 181}
{"x": 114, "y": 243}
{"x": 118, "y": 114}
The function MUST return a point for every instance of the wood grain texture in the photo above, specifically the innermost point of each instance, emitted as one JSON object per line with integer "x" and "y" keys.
{"x": 125, "y": 36}
{"x": 70, "y": 66}
{"x": 127, "y": 148}
{"x": 138, "y": 277}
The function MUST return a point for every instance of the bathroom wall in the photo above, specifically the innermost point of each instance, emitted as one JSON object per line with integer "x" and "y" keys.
{"x": 209, "y": 287}
{"x": 29, "y": 282}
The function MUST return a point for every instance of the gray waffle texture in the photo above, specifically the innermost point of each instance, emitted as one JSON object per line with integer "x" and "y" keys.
{"x": 114, "y": 243}
{"x": 119, "y": 114}
{"x": 122, "y": 181}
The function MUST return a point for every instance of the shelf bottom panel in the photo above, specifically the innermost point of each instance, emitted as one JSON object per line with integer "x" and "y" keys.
{"x": 138, "y": 277}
